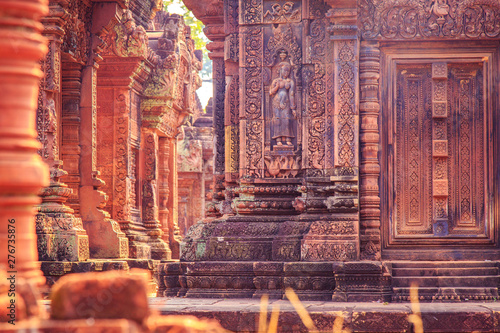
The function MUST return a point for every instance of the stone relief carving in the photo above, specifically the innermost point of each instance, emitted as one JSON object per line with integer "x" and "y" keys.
{"x": 283, "y": 105}
{"x": 430, "y": 19}
{"x": 282, "y": 13}
{"x": 126, "y": 39}
{"x": 283, "y": 38}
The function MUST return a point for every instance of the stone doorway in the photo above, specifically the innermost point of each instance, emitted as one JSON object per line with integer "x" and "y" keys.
{"x": 438, "y": 154}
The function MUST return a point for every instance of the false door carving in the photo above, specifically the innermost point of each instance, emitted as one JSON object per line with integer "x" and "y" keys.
{"x": 439, "y": 154}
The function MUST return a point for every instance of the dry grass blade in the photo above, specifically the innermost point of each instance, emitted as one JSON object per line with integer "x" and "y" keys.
{"x": 263, "y": 314}
{"x": 273, "y": 323}
{"x": 415, "y": 318}
{"x": 338, "y": 324}
{"x": 304, "y": 316}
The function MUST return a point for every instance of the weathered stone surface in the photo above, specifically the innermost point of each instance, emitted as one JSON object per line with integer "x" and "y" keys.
{"x": 182, "y": 324}
{"x": 109, "y": 295}
{"x": 83, "y": 326}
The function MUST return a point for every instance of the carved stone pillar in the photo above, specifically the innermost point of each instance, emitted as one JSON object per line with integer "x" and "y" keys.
{"x": 369, "y": 108}
{"x": 121, "y": 76}
{"x": 150, "y": 195}
{"x": 219, "y": 86}
{"x": 167, "y": 206}
{"x": 167, "y": 101}
{"x": 214, "y": 31}
{"x": 106, "y": 238}
{"x": 70, "y": 123}
{"x": 60, "y": 234}
{"x": 22, "y": 172}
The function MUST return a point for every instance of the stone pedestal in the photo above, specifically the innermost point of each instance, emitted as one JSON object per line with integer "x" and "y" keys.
{"x": 60, "y": 234}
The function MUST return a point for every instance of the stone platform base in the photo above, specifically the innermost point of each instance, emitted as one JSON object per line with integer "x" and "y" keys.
{"x": 54, "y": 270}
{"x": 338, "y": 281}
{"x": 242, "y": 315}
{"x": 357, "y": 281}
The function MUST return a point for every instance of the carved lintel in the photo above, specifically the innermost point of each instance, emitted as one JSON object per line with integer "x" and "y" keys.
{"x": 449, "y": 19}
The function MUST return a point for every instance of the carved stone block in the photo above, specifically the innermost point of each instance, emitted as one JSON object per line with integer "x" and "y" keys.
{"x": 439, "y": 109}
{"x": 440, "y": 148}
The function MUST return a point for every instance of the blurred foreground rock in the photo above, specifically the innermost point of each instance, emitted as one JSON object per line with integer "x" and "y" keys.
{"x": 111, "y": 302}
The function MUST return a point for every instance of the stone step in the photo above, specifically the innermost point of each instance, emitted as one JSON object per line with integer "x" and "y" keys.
{"x": 457, "y": 294}
{"x": 442, "y": 264}
{"x": 449, "y": 271}
{"x": 447, "y": 281}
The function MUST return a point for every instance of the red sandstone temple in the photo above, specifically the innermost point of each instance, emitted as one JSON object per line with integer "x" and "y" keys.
{"x": 355, "y": 146}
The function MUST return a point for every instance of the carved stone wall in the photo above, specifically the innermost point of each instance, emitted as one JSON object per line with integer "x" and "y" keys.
{"x": 427, "y": 148}
{"x": 289, "y": 104}
{"x": 194, "y": 161}
{"x": 360, "y": 126}
{"x": 109, "y": 97}
{"x": 145, "y": 90}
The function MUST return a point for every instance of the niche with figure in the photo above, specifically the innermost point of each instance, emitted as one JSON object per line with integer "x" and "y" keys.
{"x": 282, "y": 117}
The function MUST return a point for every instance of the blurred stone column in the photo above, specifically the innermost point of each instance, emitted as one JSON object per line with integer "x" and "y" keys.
{"x": 22, "y": 172}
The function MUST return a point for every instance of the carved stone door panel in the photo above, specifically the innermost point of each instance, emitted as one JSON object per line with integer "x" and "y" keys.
{"x": 438, "y": 149}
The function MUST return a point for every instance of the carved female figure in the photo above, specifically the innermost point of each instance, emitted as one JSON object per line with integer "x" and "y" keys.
{"x": 283, "y": 106}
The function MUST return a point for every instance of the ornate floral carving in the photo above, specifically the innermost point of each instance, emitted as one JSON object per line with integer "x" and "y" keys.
{"x": 121, "y": 188}
{"x": 254, "y": 133}
{"x": 430, "y": 19}
{"x": 47, "y": 126}
{"x": 77, "y": 39}
{"x": 328, "y": 251}
{"x": 346, "y": 96}
{"x": 316, "y": 91}
{"x": 251, "y": 11}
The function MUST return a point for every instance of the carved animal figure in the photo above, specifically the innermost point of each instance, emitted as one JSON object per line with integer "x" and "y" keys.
{"x": 273, "y": 167}
{"x": 440, "y": 8}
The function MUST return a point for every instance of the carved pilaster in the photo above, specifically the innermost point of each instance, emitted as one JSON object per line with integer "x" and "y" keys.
{"x": 70, "y": 121}
{"x": 106, "y": 238}
{"x": 150, "y": 196}
{"x": 219, "y": 84}
{"x": 168, "y": 194}
{"x": 163, "y": 186}
{"x": 369, "y": 109}
{"x": 212, "y": 15}
{"x": 232, "y": 98}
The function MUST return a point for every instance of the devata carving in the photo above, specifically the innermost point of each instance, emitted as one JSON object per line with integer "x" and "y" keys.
{"x": 410, "y": 19}
{"x": 283, "y": 105}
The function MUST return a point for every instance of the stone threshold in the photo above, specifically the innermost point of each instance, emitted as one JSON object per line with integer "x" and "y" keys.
{"x": 242, "y": 315}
